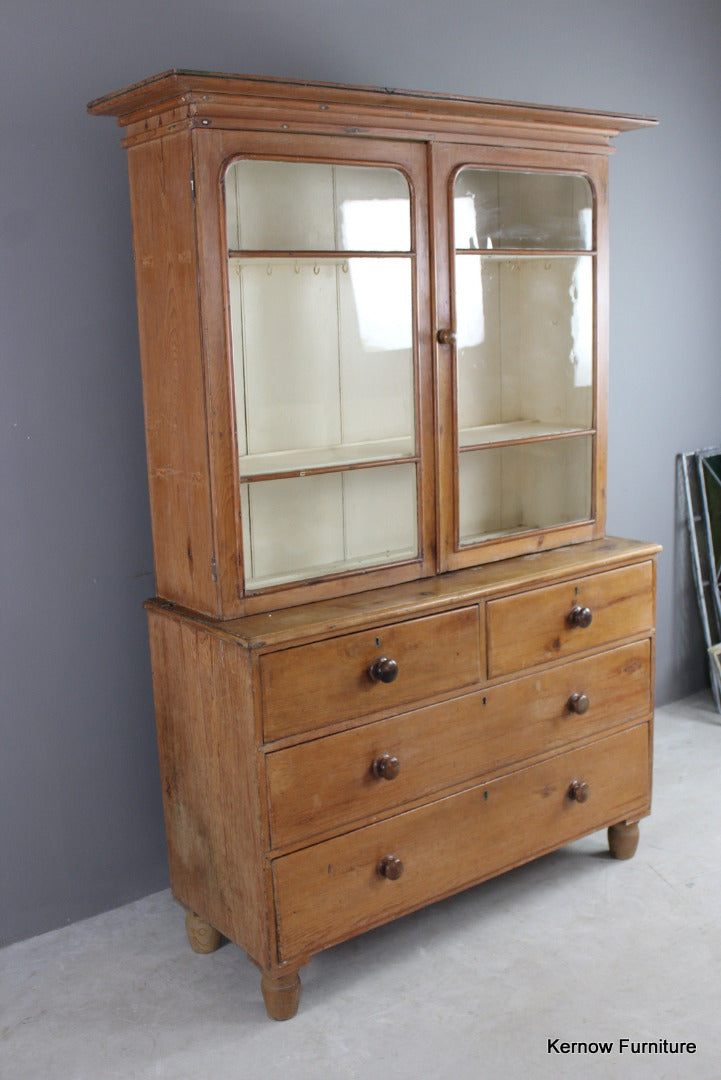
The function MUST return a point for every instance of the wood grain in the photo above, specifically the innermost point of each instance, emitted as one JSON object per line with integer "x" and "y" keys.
{"x": 174, "y": 90}
{"x": 173, "y": 387}
{"x": 331, "y": 891}
{"x": 327, "y": 682}
{"x": 328, "y": 784}
{"x": 621, "y": 603}
{"x": 344, "y": 613}
{"x": 209, "y": 772}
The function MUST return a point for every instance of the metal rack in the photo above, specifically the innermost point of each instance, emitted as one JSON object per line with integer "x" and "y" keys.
{"x": 702, "y": 484}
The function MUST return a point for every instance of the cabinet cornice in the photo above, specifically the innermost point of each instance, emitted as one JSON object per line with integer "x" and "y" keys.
{"x": 212, "y": 99}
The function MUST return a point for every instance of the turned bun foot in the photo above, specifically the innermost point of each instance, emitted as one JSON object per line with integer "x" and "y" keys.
{"x": 623, "y": 840}
{"x": 203, "y": 937}
{"x": 281, "y": 993}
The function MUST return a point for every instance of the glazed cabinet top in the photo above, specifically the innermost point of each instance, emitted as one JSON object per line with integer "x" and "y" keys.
{"x": 374, "y": 332}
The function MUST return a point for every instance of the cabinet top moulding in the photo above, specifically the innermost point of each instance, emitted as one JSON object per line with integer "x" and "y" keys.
{"x": 192, "y": 98}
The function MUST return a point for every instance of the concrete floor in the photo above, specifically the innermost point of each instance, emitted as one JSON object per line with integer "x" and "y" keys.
{"x": 575, "y": 947}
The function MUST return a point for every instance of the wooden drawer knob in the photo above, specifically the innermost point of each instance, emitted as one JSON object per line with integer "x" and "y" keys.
{"x": 578, "y": 703}
{"x": 580, "y": 616}
{"x": 384, "y": 669}
{"x": 446, "y": 337}
{"x": 579, "y": 791}
{"x": 390, "y": 867}
{"x": 386, "y": 767}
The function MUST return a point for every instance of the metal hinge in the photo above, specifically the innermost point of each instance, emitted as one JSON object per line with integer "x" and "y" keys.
{"x": 213, "y": 569}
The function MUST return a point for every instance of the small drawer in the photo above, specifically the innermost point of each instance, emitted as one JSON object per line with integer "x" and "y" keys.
{"x": 336, "y": 889}
{"x": 327, "y": 682}
{"x": 360, "y": 775}
{"x": 555, "y": 622}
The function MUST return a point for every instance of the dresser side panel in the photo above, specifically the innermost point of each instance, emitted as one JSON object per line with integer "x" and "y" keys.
{"x": 210, "y": 776}
{"x": 173, "y": 379}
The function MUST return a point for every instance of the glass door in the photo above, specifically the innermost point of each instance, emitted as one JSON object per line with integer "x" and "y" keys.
{"x": 322, "y": 274}
{"x": 523, "y": 287}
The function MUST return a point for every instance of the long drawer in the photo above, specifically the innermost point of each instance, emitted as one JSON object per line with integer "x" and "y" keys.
{"x": 357, "y": 775}
{"x": 329, "y": 892}
{"x": 327, "y": 682}
{"x": 558, "y": 621}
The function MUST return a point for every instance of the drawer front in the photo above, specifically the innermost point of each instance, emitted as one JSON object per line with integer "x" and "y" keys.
{"x": 332, "y": 891}
{"x": 341, "y": 779}
{"x": 327, "y": 682}
{"x": 537, "y": 627}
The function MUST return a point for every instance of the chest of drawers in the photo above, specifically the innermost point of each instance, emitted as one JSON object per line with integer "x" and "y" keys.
{"x": 307, "y": 799}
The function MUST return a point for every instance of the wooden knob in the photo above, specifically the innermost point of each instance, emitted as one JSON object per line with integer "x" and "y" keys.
{"x": 384, "y": 669}
{"x": 580, "y": 616}
{"x": 390, "y": 867}
{"x": 579, "y": 791}
{"x": 446, "y": 337}
{"x": 578, "y": 703}
{"x": 386, "y": 767}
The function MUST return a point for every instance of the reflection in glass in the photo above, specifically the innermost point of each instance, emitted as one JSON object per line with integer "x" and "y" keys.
{"x": 322, "y": 325}
{"x": 524, "y": 316}
{"x": 308, "y": 206}
{"x": 507, "y": 209}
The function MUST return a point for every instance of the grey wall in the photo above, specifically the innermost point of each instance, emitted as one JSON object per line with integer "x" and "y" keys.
{"x": 80, "y": 813}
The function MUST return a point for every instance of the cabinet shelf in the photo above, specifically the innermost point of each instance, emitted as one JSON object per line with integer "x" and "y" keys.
{"x": 337, "y": 568}
{"x": 519, "y": 529}
{"x": 326, "y": 458}
{"x": 526, "y": 253}
{"x": 515, "y": 431}
{"x": 338, "y": 257}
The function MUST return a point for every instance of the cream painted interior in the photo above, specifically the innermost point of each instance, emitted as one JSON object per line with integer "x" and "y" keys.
{"x": 323, "y": 353}
{"x": 521, "y": 487}
{"x": 298, "y": 527}
{"x": 525, "y": 366}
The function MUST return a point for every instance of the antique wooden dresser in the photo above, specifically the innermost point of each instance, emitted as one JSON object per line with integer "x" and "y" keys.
{"x": 394, "y": 652}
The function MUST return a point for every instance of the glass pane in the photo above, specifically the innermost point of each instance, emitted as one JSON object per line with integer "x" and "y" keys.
{"x": 505, "y": 209}
{"x": 304, "y": 526}
{"x": 323, "y": 350}
{"x": 525, "y": 345}
{"x": 307, "y": 206}
{"x": 324, "y": 366}
{"x": 524, "y": 487}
